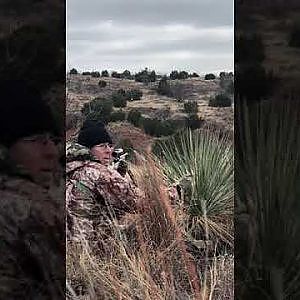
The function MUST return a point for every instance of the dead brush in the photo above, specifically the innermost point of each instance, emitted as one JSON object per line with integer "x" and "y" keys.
{"x": 159, "y": 267}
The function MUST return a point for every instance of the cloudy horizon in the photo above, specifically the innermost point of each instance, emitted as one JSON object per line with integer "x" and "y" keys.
{"x": 161, "y": 35}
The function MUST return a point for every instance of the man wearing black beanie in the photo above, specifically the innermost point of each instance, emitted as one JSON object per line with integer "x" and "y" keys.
{"x": 27, "y": 131}
{"x": 90, "y": 173}
{"x": 30, "y": 204}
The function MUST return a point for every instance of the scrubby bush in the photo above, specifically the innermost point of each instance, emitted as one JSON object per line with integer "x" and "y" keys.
{"x": 119, "y": 99}
{"x": 86, "y": 73}
{"x": 104, "y": 73}
{"x": 191, "y": 107}
{"x": 102, "y": 83}
{"x": 183, "y": 75}
{"x": 164, "y": 87}
{"x": 152, "y": 76}
{"x": 115, "y": 74}
{"x": 95, "y": 74}
{"x": 121, "y": 92}
{"x": 73, "y": 71}
{"x": 178, "y": 91}
{"x": 220, "y": 100}
{"x": 179, "y": 75}
{"x": 158, "y": 128}
{"x": 194, "y": 75}
{"x": 126, "y": 74}
{"x": 117, "y": 116}
{"x": 174, "y": 75}
{"x": 145, "y": 76}
{"x": 226, "y": 82}
{"x": 207, "y": 157}
{"x": 99, "y": 109}
{"x": 134, "y": 94}
{"x": 134, "y": 117}
{"x": 209, "y": 76}
{"x": 194, "y": 122}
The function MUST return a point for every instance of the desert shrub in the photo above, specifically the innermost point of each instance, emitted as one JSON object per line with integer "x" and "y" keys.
{"x": 202, "y": 162}
{"x": 155, "y": 127}
{"x": 179, "y": 75}
{"x": 132, "y": 271}
{"x": 142, "y": 76}
{"x": 178, "y": 91}
{"x": 191, "y": 107}
{"x": 115, "y": 74}
{"x": 294, "y": 38}
{"x": 102, "y": 83}
{"x": 267, "y": 165}
{"x": 152, "y": 76}
{"x": 183, "y": 75}
{"x": 164, "y": 87}
{"x": 193, "y": 121}
{"x": 98, "y": 109}
{"x": 126, "y": 74}
{"x": 119, "y": 99}
{"x": 134, "y": 117}
{"x": 209, "y": 76}
{"x": 134, "y": 94}
{"x": 174, "y": 75}
{"x": 227, "y": 82}
{"x": 229, "y": 88}
{"x": 95, "y": 74}
{"x": 85, "y": 73}
{"x": 117, "y": 116}
{"x": 194, "y": 75}
{"x": 73, "y": 71}
{"x": 121, "y": 92}
{"x": 220, "y": 100}
{"x": 104, "y": 73}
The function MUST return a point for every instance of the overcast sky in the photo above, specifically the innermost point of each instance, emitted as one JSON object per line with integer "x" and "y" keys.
{"x": 191, "y": 35}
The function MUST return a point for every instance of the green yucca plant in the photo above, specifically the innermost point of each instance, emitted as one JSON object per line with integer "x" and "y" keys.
{"x": 268, "y": 190}
{"x": 207, "y": 160}
{"x": 204, "y": 158}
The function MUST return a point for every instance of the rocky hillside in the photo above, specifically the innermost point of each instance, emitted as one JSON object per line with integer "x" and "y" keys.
{"x": 82, "y": 89}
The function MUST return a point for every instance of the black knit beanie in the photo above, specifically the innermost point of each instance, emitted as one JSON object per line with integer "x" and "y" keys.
{"x": 22, "y": 112}
{"x": 93, "y": 133}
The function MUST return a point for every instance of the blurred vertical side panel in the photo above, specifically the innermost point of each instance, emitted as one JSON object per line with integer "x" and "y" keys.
{"x": 32, "y": 135}
{"x": 267, "y": 144}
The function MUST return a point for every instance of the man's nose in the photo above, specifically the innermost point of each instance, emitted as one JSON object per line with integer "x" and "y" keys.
{"x": 108, "y": 150}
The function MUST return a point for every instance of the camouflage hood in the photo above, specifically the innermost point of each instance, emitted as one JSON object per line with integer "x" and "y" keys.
{"x": 77, "y": 156}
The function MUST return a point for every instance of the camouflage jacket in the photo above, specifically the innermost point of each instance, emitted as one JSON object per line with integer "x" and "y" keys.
{"x": 32, "y": 237}
{"x": 95, "y": 194}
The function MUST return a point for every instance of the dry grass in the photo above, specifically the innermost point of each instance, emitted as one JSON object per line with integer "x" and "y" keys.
{"x": 147, "y": 256}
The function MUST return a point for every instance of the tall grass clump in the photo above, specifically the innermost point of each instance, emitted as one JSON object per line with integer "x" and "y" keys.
{"x": 268, "y": 190}
{"x": 147, "y": 257}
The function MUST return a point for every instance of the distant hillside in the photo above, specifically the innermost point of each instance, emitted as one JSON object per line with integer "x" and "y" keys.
{"x": 82, "y": 89}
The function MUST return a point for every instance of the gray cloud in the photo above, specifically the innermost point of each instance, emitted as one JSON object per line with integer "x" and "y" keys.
{"x": 196, "y": 35}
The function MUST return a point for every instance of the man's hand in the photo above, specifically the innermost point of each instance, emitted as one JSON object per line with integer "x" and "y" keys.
{"x": 122, "y": 167}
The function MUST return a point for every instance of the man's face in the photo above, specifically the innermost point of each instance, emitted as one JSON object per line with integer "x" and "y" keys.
{"x": 103, "y": 152}
{"x": 36, "y": 154}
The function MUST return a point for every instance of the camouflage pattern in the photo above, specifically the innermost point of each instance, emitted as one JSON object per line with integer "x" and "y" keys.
{"x": 32, "y": 236}
{"x": 95, "y": 195}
